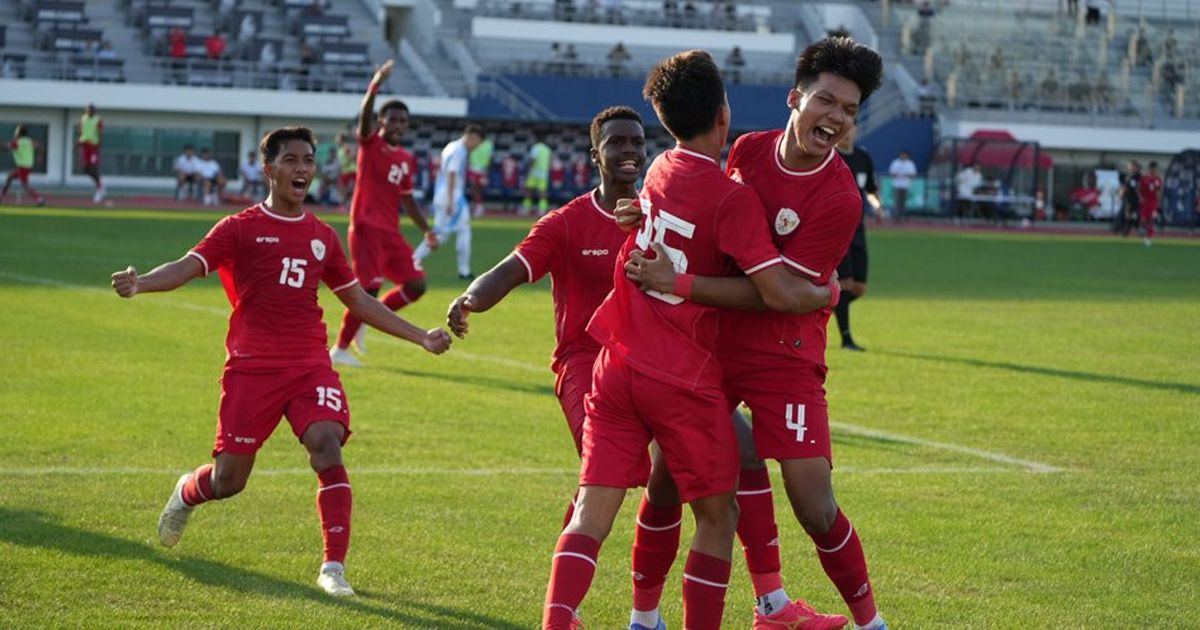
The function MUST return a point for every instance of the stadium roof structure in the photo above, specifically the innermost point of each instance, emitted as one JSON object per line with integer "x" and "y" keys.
{"x": 998, "y": 148}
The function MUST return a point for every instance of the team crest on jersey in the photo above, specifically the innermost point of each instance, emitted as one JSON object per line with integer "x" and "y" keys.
{"x": 736, "y": 175}
{"x": 318, "y": 249}
{"x": 786, "y": 221}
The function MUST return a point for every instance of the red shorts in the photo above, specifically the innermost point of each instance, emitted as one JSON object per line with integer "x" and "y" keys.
{"x": 378, "y": 254}
{"x": 91, "y": 154}
{"x": 790, "y": 414}
{"x": 572, "y": 383}
{"x": 346, "y": 179}
{"x": 252, "y": 404}
{"x": 476, "y": 178}
{"x": 1148, "y": 212}
{"x": 626, "y": 410}
{"x": 21, "y": 175}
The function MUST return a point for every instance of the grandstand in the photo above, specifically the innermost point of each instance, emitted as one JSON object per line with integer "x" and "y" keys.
{"x": 217, "y": 72}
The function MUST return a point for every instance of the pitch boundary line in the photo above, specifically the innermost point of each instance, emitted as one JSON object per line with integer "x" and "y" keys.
{"x": 852, "y": 429}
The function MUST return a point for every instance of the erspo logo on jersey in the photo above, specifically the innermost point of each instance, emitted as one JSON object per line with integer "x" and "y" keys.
{"x": 594, "y": 252}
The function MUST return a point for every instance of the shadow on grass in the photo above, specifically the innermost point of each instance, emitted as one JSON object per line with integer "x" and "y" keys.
{"x": 1183, "y": 388}
{"x": 28, "y": 528}
{"x": 481, "y": 381}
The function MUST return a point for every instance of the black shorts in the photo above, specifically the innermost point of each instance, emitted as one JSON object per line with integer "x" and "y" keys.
{"x": 854, "y": 265}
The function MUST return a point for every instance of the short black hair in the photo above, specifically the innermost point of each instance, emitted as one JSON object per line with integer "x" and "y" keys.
{"x": 393, "y": 104}
{"x": 20, "y": 131}
{"x": 473, "y": 129}
{"x": 616, "y": 112}
{"x": 844, "y": 57}
{"x": 272, "y": 143}
{"x": 686, "y": 91}
{"x": 1153, "y": 164}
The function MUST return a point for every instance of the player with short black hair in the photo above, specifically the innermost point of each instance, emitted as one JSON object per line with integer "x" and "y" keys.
{"x": 23, "y": 150}
{"x": 656, "y": 377}
{"x": 91, "y": 126}
{"x": 384, "y": 184}
{"x": 271, "y": 258}
{"x": 775, "y": 362}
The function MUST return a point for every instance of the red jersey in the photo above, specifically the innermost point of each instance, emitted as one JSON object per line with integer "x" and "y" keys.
{"x": 271, "y": 266}
{"x": 1148, "y": 187}
{"x": 813, "y": 216}
{"x": 710, "y": 226}
{"x": 577, "y": 245}
{"x": 509, "y": 173}
{"x": 385, "y": 174}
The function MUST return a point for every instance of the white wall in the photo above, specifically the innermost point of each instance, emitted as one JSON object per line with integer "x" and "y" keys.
{"x": 1159, "y": 141}
{"x": 603, "y": 34}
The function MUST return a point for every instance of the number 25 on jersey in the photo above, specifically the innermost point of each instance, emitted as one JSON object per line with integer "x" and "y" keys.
{"x": 654, "y": 230}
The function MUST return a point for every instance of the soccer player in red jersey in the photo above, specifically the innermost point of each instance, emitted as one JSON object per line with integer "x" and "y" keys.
{"x": 271, "y": 259}
{"x": 384, "y": 183}
{"x": 710, "y": 225}
{"x": 775, "y": 362}
{"x": 1150, "y": 193}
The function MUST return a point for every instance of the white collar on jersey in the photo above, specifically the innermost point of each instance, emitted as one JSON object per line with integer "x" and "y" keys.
{"x": 779, "y": 162}
{"x": 263, "y": 207}
{"x": 595, "y": 196}
{"x": 694, "y": 154}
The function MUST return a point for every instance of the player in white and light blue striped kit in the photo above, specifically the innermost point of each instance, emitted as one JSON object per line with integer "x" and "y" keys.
{"x": 451, "y": 209}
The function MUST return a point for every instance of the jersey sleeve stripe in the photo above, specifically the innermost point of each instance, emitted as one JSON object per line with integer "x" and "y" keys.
{"x": 797, "y": 265}
{"x": 528, "y": 268}
{"x": 202, "y": 261}
{"x": 763, "y": 265}
{"x": 345, "y": 286}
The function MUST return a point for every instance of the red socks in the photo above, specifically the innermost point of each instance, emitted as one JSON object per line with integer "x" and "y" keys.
{"x": 333, "y": 506}
{"x": 198, "y": 488}
{"x": 841, "y": 555}
{"x": 655, "y": 544}
{"x": 705, "y": 580}
{"x": 571, "y": 573}
{"x": 395, "y": 299}
{"x": 758, "y": 531}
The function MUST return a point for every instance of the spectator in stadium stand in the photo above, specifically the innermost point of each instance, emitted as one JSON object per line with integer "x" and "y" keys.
{"x": 1048, "y": 91}
{"x": 612, "y": 12}
{"x": 617, "y": 58}
{"x": 215, "y": 45}
{"x": 185, "y": 173}
{"x": 1093, "y": 11}
{"x": 252, "y": 177}
{"x": 209, "y": 172}
{"x": 570, "y": 59}
{"x": 308, "y": 57}
{"x": 314, "y": 9}
{"x": 248, "y": 28}
{"x": 734, "y": 62}
{"x": 901, "y": 170}
{"x": 267, "y": 56}
{"x": 1103, "y": 93}
{"x": 106, "y": 51}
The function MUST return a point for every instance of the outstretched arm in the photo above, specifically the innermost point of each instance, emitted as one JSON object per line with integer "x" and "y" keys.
{"x": 774, "y": 288}
{"x": 485, "y": 292}
{"x": 165, "y": 277}
{"x": 418, "y": 219}
{"x": 366, "y": 113}
{"x": 372, "y": 312}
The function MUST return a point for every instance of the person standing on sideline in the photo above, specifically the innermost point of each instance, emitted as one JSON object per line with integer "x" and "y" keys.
{"x": 271, "y": 258}
{"x": 852, "y": 271}
{"x": 965, "y": 183}
{"x": 251, "y": 174}
{"x": 384, "y": 183}
{"x": 347, "y": 171}
{"x": 477, "y": 173}
{"x": 90, "y": 128}
{"x": 1127, "y": 217}
{"x": 451, "y": 210}
{"x": 1149, "y": 195}
{"x": 23, "y": 151}
{"x": 901, "y": 170}
{"x": 537, "y": 178}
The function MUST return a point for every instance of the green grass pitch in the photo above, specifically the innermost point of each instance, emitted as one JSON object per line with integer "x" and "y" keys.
{"x": 1018, "y": 448}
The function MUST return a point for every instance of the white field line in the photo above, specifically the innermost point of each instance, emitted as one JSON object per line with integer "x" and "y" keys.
{"x": 852, "y": 429}
{"x": 40, "y": 471}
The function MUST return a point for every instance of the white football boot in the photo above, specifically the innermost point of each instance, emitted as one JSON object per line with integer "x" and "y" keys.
{"x": 342, "y": 356}
{"x": 332, "y": 579}
{"x": 360, "y": 340}
{"x": 174, "y": 516}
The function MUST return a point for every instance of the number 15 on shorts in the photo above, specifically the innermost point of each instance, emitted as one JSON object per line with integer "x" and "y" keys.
{"x": 794, "y": 415}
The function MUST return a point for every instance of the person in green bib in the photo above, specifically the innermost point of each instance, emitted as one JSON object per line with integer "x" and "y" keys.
{"x": 348, "y": 162}
{"x": 478, "y": 165}
{"x": 90, "y": 126}
{"x": 22, "y": 148}
{"x": 537, "y": 179}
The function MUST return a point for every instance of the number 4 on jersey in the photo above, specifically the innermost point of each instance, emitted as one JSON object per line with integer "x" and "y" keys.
{"x": 794, "y": 414}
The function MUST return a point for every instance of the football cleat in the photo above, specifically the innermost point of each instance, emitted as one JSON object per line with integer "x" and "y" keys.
{"x": 333, "y": 581}
{"x": 342, "y": 356}
{"x": 99, "y": 196}
{"x": 174, "y": 516}
{"x": 798, "y": 615}
{"x": 662, "y": 625}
